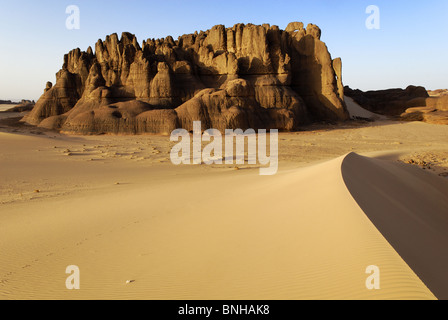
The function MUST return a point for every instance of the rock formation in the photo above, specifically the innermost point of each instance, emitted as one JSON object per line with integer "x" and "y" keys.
{"x": 411, "y": 104}
{"x": 438, "y": 92}
{"x": 247, "y": 76}
{"x": 390, "y": 102}
{"x": 431, "y": 110}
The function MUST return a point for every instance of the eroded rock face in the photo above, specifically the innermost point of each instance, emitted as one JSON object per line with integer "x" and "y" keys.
{"x": 246, "y": 76}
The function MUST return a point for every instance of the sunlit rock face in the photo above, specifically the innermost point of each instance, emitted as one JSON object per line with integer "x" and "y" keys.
{"x": 246, "y": 76}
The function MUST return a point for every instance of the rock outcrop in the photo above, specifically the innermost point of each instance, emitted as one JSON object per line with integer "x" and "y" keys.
{"x": 432, "y": 110}
{"x": 411, "y": 104}
{"x": 246, "y": 76}
{"x": 390, "y": 102}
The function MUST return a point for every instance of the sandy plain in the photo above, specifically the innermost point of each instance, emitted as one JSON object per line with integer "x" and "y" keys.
{"x": 346, "y": 196}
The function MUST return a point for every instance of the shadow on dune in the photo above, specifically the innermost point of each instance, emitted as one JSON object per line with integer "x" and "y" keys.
{"x": 410, "y": 208}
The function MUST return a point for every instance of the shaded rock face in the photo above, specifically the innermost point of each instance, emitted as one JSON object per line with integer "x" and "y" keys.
{"x": 391, "y": 102}
{"x": 246, "y": 76}
{"x": 412, "y": 104}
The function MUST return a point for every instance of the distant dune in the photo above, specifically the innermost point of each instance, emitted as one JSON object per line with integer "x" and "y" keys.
{"x": 4, "y": 107}
{"x": 357, "y": 112}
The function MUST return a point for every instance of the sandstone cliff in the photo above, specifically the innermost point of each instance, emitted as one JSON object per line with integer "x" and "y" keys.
{"x": 246, "y": 76}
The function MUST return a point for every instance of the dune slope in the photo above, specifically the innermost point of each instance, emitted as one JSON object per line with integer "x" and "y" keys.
{"x": 228, "y": 235}
{"x": 357, "y": 112}
{"x": 410, "y": 208}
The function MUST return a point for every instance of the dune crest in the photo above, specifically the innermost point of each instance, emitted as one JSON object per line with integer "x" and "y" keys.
{"x": 296, "y": 235}
{"x": 410, "y": 208}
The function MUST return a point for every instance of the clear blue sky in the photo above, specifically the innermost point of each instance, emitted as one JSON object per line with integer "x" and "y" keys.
{"x": 410, "y": 48}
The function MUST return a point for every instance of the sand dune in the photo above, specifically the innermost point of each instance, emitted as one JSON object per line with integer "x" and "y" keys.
{"x": 297, "y": 235}
{"x": 410, "y": 208}
{"x": 4, "y": 107}
{"x": 117, "y": 208}
{"x": 357, "y": 112}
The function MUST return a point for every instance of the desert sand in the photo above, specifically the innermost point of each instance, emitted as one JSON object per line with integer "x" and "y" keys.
{"x": 4, "y": 107}
{"x": 138, "y": 227}
{"x": 357, "y": 112}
